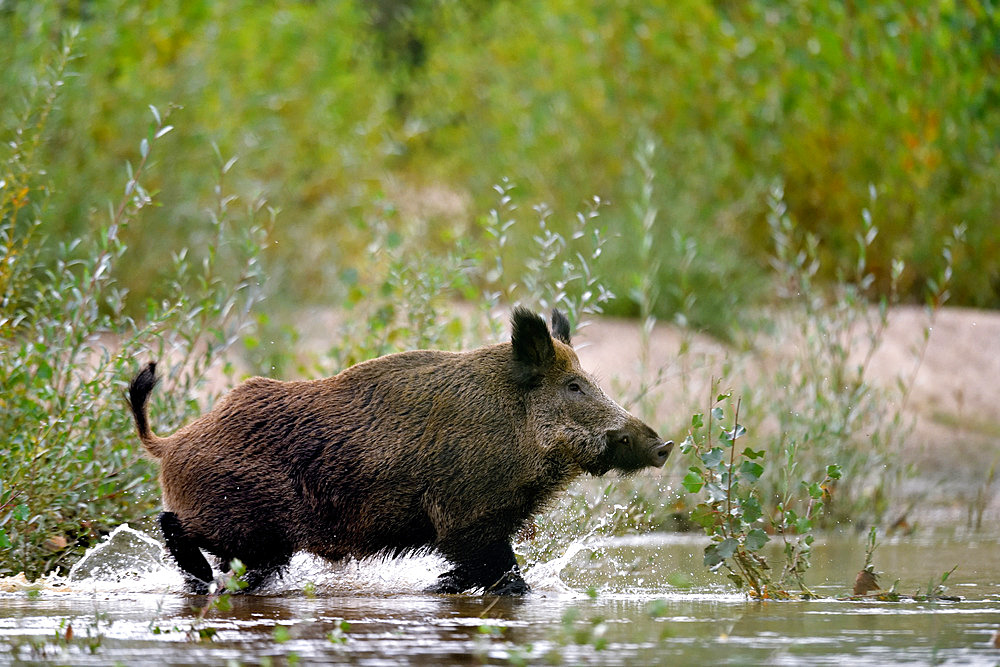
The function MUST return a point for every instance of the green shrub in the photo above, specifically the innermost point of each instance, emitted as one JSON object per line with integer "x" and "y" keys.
{"x": 825, "y": 443}
{"x": 736, "y": 512}
{"x": 70, "y": 467}
{"x": 408, "y": 296}
{"x": 679, "y": 115}
{"x": 290, "y": 88}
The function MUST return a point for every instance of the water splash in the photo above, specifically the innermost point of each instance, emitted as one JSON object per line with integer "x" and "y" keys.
{"x": 130, "y": 561}
{"x": 125, "y": 560}
{"x": 545, "y": 576}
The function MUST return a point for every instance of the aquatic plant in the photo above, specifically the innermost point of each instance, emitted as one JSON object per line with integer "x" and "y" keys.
{"x": 984, "y": 495}
{"x": 867, "y": 587}
{"x": 231, "y": 582}
{"x": 733, "y": 514}
{"x": 339, "y": 633}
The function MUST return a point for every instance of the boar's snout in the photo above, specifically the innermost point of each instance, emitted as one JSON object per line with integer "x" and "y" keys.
{"x": 638, "y": 448}
{"x": 660, "y": 452}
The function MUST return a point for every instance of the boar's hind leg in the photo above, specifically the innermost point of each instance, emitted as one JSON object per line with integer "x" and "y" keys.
{"x": 492, "y": 568}
{"x": 197, "y": 572}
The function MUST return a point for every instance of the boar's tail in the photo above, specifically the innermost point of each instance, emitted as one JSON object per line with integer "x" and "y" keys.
{"x": 138, "y": 397}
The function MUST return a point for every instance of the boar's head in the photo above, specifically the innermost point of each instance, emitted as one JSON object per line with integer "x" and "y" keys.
{"x": 567, "y": 411}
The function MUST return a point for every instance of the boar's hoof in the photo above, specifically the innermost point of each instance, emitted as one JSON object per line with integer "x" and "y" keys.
{"x": 196, "y": 586}
{"x": 458, "y": 581}
{"x": 447, "y": 584}
{"x": 509, "y": 584}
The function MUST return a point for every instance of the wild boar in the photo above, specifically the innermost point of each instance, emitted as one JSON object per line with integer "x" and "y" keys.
{"x": 451, "y": 452}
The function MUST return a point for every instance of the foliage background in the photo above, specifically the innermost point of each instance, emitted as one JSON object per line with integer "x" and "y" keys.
{"x": 410, "y": 110}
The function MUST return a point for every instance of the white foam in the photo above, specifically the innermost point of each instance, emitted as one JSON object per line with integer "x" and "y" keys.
{"x": 367, "y": 577}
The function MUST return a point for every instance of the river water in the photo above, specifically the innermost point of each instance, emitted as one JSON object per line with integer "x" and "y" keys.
{"x": 640, "y": 600}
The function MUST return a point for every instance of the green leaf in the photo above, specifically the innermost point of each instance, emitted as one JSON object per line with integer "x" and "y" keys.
{"x": 281, "y": 634}
{"x": 237, "y": 566}
{"x": 697, "y": 421}
{"x": 679, "y": 579}
{"x": 815, "y": 491}
{"x": 751, "y": 471}
{"x": 833, "y": 471}
{"x": 715, "y": 492}
{"x": 712, "y": 558}
{"x": 756, "y": 539}
{"x": 21, "y": 512}
{"x": 692, "y": 482}
{"x": 4, "y": 540}
{"x": 751, "y": 509}
{"x": 727, "y": 547}
{"x": 717, "y": 414}
{"x": 713, "y": 457}
{"x": 704, "y": 516}
{"x": 658, "y": 608}
{"x": 751, "y": 454}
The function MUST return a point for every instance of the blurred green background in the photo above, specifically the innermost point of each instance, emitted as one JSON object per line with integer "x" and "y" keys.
{"x": 349, "y": 116}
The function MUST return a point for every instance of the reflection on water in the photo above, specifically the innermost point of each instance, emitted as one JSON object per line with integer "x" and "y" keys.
{"x": 654, "y": 604}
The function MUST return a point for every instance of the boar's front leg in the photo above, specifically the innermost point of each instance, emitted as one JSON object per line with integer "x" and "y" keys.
{"x": 492, "y": 568}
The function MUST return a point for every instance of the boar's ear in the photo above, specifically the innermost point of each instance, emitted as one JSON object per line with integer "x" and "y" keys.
{"x": 532, "y": 345}
{"x": 560, "y": 326}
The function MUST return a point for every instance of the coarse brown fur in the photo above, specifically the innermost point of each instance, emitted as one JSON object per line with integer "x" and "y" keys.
{"x": 423, "y": 450}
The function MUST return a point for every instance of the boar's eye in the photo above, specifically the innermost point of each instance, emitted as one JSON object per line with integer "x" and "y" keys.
{"x": 575, "y": 387}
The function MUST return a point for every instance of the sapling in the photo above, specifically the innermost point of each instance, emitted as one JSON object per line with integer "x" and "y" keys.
{"x": 733, "y": 515}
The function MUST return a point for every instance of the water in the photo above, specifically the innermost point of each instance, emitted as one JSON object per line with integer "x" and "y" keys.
{"x": 653, "y": 604}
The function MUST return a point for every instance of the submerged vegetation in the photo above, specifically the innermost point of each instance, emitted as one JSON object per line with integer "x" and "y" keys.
{"x": 379, "y": 156}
